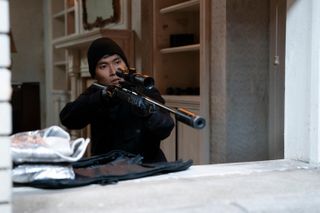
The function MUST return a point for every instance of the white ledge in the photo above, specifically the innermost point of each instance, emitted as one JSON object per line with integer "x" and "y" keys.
{"x": 265, "y": 186}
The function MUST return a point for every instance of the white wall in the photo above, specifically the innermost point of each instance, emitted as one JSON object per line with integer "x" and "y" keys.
{"x": 302, "y": 84}
{"x": 5, "y": 110}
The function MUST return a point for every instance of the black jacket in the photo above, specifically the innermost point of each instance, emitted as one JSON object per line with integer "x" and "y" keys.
{"x": 116, "y": 126}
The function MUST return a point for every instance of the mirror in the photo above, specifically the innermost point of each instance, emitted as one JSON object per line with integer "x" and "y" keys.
{"x": 97, "y": 13}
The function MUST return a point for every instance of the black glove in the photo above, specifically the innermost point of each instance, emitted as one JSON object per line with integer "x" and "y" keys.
{"x": 107, "y": 93}
{"x": 161, "y": 121}
{"x": 140, "y": 106}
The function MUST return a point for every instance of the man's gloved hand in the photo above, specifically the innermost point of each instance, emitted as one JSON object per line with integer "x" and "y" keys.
{"x": 107, "y": 93}
{"x": 161, "y": 123}
{"x": 140, "y": 106}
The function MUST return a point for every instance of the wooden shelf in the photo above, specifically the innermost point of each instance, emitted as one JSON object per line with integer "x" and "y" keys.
{"x": 182, "y": 98}
{"x": 186, "y": 48}
{"x": 64, "y": 18}
{"x": 71, "y": 9}
{"x": 59, "y": 15}
{"x": 177, "y": 66}
{"x": 60, "y": 63}
{"x": 191, "y": 5}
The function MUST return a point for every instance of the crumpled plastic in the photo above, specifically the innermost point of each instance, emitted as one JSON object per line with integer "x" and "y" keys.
{"x": 26, "y": 173}
{"x": 52, "y": 144}
{"x": 45, "y": 154}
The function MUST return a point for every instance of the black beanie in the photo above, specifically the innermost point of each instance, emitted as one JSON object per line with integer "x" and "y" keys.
{"x": 101, "y": 47}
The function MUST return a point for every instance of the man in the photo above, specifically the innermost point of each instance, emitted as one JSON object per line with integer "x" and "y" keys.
{"x": 116, "y": 124}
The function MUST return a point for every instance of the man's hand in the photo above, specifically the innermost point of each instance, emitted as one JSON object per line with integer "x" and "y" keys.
{"x": 107, "y": 93}
{"x": 140, "y": 106}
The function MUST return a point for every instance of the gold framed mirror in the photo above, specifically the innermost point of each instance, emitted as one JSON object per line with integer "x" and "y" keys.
{"x": 97, "y": 13}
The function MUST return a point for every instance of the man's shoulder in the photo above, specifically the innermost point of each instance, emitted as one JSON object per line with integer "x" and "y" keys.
{"x": 91, "y": 89}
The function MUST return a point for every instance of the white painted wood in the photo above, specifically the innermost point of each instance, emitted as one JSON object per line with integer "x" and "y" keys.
{"x": 302, "y": 101}
{"x": 184, "y": 141}
{"x": 5, "y": 59}
{"x": 5, "y": 162}
{"x": 182, "y": 66}
{"x": 186, "y": 48}
{"x": 59, "y": 100}
{"x": 6, "y": 207}
{"x": 182, "y": 7}
{"x": 4, "y": 18}
{"x": 189, "y": 143}
{"x": 5, "y": 189}
{"x": 5, "y": 115}
{"x": 315, "y": 84}
{"x": 5, "y": 84}
{"x": 5, "y": 110}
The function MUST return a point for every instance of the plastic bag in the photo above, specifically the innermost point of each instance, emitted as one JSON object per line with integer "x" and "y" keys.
{"x": 52, "y": 144}
{"x": 26, "y": 173}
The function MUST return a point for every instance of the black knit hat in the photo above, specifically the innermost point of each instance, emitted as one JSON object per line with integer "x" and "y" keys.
{"x": 101, "y": 47}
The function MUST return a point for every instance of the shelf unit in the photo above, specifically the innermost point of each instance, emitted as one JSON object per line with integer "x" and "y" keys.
{"x": 63, "y": 18}
{"x": 176, "y": 66}
{"x": 64, "y": 24}
{"x": 185, "y": 48}
{"x": 186, "y": 6}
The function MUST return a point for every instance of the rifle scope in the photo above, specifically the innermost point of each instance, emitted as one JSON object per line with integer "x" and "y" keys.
{"x": 131, "y": 76}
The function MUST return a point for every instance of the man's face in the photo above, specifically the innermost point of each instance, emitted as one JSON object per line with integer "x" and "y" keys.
{"x": 106, "y": 70}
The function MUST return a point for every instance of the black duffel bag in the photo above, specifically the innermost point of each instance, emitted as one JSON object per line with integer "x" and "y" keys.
{"x": 109, "y": 168}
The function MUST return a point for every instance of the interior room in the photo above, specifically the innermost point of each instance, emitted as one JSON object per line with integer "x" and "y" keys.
{"x": 249, "y": 68}
{"x": 229, "y": 58}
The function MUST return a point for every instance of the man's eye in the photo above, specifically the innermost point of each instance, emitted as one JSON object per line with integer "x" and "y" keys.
{"x": 118, "y": 61}
{"x": 102, "y": 66}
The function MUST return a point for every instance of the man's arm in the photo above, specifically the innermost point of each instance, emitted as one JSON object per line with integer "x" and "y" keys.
{"x": 78, "y": 114}
{"x": 159, "y": 122}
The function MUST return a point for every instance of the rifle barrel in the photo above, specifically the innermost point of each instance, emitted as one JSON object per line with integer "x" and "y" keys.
{"x": 181, "y": 114}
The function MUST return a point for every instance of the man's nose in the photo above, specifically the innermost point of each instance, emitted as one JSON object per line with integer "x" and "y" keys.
{"x": 113, "y": 69}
